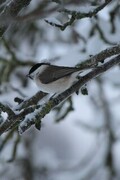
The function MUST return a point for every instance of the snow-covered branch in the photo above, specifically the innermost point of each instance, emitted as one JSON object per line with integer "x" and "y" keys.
{"x": 37, "y": 112}
{"x": 47, "y": 107}
{"x": 75, "y": 15}
{"x": 100, "y": 57}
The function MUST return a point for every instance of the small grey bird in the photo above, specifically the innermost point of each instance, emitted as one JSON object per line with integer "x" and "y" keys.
{"x": 53, "y": 79}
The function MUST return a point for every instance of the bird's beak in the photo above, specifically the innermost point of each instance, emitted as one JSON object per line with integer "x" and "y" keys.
{"x": 29, "y": 76}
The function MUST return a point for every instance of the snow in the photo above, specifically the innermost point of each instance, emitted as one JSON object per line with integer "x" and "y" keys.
{"x": 81, "y": 9}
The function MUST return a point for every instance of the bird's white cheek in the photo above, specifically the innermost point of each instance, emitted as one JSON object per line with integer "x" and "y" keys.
{"x": 41, "y": 69}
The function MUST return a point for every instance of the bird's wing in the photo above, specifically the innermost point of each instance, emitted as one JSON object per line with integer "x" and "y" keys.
{"x": 53, "y": 73}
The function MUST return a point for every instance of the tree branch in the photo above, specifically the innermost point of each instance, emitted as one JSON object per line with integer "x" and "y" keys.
{"x": 100, "y": 57}
{"x": 32, "y": 101}
{"x": 10, "y": 11}
{"x": 78, "y": 15}
{"x": 31, "y": 106}
{"x": 36, "y": 116}
{"x": 6, "y": 109}
{"x": 61, "y": 97}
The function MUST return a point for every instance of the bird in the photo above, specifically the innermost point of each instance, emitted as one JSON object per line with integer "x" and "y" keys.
{"x": 53, "y": 79}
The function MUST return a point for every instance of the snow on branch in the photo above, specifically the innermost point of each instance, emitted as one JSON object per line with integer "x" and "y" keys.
{"x": 100, "y": 57}
{"x": 30, "y": 112}
{"x": 75, "y": 15}
{"x": 47, "y": 107}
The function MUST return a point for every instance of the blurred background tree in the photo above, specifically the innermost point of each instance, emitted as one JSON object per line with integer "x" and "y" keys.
{"x": 79, "y": 139}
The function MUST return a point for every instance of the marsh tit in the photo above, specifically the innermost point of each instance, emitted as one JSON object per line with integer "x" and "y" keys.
{"x": 53, "y": 79}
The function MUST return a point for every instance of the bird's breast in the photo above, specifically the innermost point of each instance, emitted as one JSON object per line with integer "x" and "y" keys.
{"x": 57, "y": 86}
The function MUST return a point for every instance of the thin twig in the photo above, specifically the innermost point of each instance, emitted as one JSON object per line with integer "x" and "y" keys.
{"x": 78, "y": 15}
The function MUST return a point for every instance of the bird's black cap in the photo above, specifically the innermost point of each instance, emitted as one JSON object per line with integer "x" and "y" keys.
{"x": 36, "y": 66}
